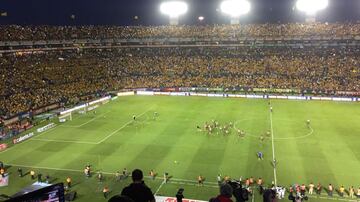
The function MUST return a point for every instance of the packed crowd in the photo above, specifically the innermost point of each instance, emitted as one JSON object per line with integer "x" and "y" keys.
{"x": 32, "y": 80}
{"x": 15, "y": 32}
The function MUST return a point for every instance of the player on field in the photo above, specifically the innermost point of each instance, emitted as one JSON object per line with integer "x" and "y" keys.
{"x": 125, "y": 173}
{"x": 134, "y": 117}
{"x": 311, "y": 188}
{"x": 261, "y": 138}
{"x": 251, "y": 180}
{"x": 166, "y": 177}
{"x": 351, "y": 192}
{"x": 274, "y": 162}
{"x": 271, "y": 109}
{"x": 302, "y": 189}
{"x": 32, "y": 174}
{"x": 247, "y": 182}
{"x": 200, "y": 180}
{"x": 330, "y": 190}
{"x": 68, "y": 182}
{"x": 260, "y": 155}
{"x": 152, "y": 174}
{"x": 342, "y": 191}
{"x": 117, "y": 176}
{"x": 20, "y": 172}
{"x": 219, "y": 180}
{"x": 100, "y": 177}
{"x": 308, "y": 123}
{"x": 226, "y": 178}
{"x": 318, "y": 188}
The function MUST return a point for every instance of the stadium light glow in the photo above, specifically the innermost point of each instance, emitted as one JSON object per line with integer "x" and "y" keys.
{"x": 311, "y": 7}
{"x": 174, "y": 8}
{"x": 235, "y": 8}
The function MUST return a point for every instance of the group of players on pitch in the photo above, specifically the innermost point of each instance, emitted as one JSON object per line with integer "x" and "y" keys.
{"x": 214, "y": 127}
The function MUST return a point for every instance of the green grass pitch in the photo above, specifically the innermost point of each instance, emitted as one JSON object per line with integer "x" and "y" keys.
{"x": 328, "y": 152}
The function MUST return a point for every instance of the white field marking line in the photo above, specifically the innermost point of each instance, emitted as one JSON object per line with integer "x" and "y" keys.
{"x": 158, "y": 189}
{"x": 65, "y": 141}
{"x": 253, "y": 197}
{"x": 300, "y": 137}
{"x": 84, "y": 142}
{"x": 91, "y": 120}
{"x": 117, "y": 130}
{"x": 276, "y": 139}
{"x": 273, "y": 146}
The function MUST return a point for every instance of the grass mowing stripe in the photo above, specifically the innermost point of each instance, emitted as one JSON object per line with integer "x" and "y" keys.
{"x": 273, "y": 145}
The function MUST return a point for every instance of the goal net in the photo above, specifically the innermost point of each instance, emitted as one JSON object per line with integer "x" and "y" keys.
{"x": 65, "y": 117}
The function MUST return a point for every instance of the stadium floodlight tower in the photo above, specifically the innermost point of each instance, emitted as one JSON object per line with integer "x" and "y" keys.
{"x": 311, "y": 7}
{"x": 235, "y": 9}
{"x": 174, "y": 9}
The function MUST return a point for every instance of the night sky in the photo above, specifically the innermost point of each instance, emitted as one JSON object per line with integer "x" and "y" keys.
{"x": 122, "y": 12}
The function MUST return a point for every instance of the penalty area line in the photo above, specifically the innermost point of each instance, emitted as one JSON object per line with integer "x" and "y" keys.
{"x": 83, "y": 124}
{"x": 86, "y": 142}
{"x": 126, "y": 124}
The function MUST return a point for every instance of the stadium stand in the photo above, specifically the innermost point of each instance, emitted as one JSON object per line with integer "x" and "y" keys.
{"x": 12, "y": 33}
{"x": 42, "y": 77}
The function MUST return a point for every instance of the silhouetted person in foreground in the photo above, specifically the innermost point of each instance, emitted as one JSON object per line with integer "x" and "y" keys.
{"x": 137, "y": 190}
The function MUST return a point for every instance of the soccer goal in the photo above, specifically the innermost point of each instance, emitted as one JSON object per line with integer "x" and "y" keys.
{"x": 65, "y": 117}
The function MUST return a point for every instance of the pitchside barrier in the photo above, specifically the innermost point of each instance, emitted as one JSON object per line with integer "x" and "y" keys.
{"x": 344, "y": 99}
{"x": 172, "y": 199}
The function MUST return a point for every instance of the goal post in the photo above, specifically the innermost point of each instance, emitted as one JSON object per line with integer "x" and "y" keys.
{"x": 65, "y": 117}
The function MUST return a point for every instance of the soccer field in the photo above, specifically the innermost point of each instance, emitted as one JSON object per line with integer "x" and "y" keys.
{"x": 328, "y": 151}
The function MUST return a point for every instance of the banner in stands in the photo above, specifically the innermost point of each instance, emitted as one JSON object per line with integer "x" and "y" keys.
{"x": 172, "y": 199}
{"x": 253, "y": 96}
{"x": 45, "y": 128}
{"x": 348, "y": 93}
{"x": 45, "y": 109}
{"x": 125, "y": 93}
{"x": 22, "y": 138}
{"x": 101, "y": 100}
{"x": 11, "y": 120}
{"x": 3, "y": 147}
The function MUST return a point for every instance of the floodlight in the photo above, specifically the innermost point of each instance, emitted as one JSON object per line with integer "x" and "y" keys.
{"x": 311, "y": 7}
{"x": 201, "y": 18}
{"x": 174, "y": 8}
{"x": 235, "y": 8}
